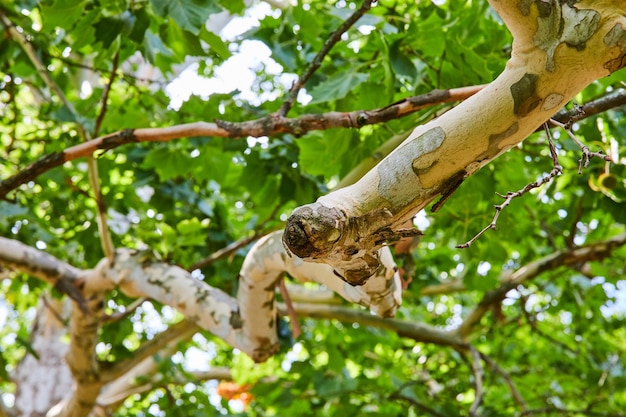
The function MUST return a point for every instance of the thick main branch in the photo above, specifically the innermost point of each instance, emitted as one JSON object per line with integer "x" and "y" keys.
{"x": 548, "y": 67}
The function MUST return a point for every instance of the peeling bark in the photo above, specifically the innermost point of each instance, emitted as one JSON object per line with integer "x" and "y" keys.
{"x": 558, "y": 49}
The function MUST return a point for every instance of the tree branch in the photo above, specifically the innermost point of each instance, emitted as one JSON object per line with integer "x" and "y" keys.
{"x": 508, "y": 380}
{"x": 510, "y": 196}
{"x": 547, "y": 68}
{"x": 317, "y": 61}
{"x": 266, "y": 126}
{"x": 92, "y": 167}
{"x": 61, "y": 275}
{"x": 591, "y": 252}
{"x": 479, "y": 373}
{"x": 418, "y": 332}
{"x": 176, "y": 332}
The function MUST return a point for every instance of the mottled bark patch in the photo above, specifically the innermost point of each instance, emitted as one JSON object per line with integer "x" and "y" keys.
{"x": 495, "y": 142}
{"x": 561, "y": 24}
{"x": 394, "y": 171}
{"x": 616, "y": 37}
{"x": 525, "y": 97}
{"x": 266, "y": 348}
{"x": 552, "y": 101}
{"x": 235, "y": 321}
{"x": 544, "y": 8}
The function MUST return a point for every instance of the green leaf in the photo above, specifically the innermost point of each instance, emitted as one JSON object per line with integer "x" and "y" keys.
{"x": 142, "y": 23}
{"x": 168, "y": 163}
{"x": 190, "y": 15}
{"x": 324, "y": 154}
{"x": 108, "y": 29}
{"x": 216, "y": 43}
{"x": 338, "y": 86}
{"x": 62, "y": 13}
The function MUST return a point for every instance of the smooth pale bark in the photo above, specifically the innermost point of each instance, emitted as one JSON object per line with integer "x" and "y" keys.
{"x": 246, "y": 322}
{"x": 558, "y": 49}
{"x": 45, "y": 380}
{"x": 265, "y": 264}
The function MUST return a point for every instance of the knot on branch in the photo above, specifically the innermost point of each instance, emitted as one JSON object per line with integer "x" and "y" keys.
{"x": 351, "y": 245}
{"x": 313, "y": 230}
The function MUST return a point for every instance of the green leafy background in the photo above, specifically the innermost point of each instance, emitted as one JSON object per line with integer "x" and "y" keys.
{"x": 561, "y": 338}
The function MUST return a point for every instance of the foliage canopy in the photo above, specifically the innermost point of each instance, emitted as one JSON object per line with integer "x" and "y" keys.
{"x": 556, "y": 341}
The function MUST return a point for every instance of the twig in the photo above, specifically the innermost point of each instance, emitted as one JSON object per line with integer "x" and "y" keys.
{"x": 479, "y": 372}
{"x": 105, "y": 95}
{"x": 509, "y": 381}
{"x": 296, "y": 330}
{"x": 422, "y": 407}
{"x": 510, "y": 196}
{"x": 532, "y": 322}
{"x": 94, "y": 177}
{"x": 587, "y": 154}
{"x": 317, "y": 61}
{"x": 232, "y": 247}
{"x": 610, "y": 101}
{"x": 128, "y": 311}
{"x": 565, "y": 412}
{"x": 590, "y": 252}
{"x": 92, "y": 168}
{"x": 267, "y": 126}
{"x": 397, "y": 395}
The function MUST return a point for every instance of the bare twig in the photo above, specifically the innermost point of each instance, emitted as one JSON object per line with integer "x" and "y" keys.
{"x": 105, "y": 236}
{"x": 591, "y": 252}
{"x": 510, "y": 196}
{"x": 234, "y": 246}
{"x": 479, "y": 372}
{"x": 610, "y": 101}
{"x": 422, "y": 407}
{"x": 570, "y": 412}
{"x": 508, "y": 380}
{"x": 419, "y": 332}
{"x": 105, "y": 96}
{"x": 267, "y": 126}
{"x": 587, "y": 154}
{"x": 317, "y": 61}
{"x": 296, "y": 330}
{"x": 128, "y": 311}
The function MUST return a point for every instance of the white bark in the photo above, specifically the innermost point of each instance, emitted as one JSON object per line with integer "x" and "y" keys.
{"x": 247, "y": 323}
{"x": 44, "y": 380}
{"x": 559, "y": 48}
{"x": 267, "y": 261}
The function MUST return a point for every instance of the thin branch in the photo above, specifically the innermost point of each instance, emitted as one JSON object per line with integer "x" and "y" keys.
{"x": 587, "y": 154}
{"x": 317, "y": 61}
{"x": 105, "y": 95}
{"x": 612, "y": 100}
{"x": 422, "y": 407}
{"x": 236, "y": 245}
{"x": 128, "y": 311}
{"x": 591, "y": 252}
{"x": 296, "y": 330}
{"x": 479, "y": 372}
{"x": 532, "y": 322}
{"x": 61, "y": 275}
{"x": 419, "y": 332}
{"x": 180, "y": 330}
{"x": 267, "y": 126}
{"x": 566, "y": 412}
{"x": 510, "y": 196}
{"x": 92, "y": 168}
{"x": 508, "y": 380}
